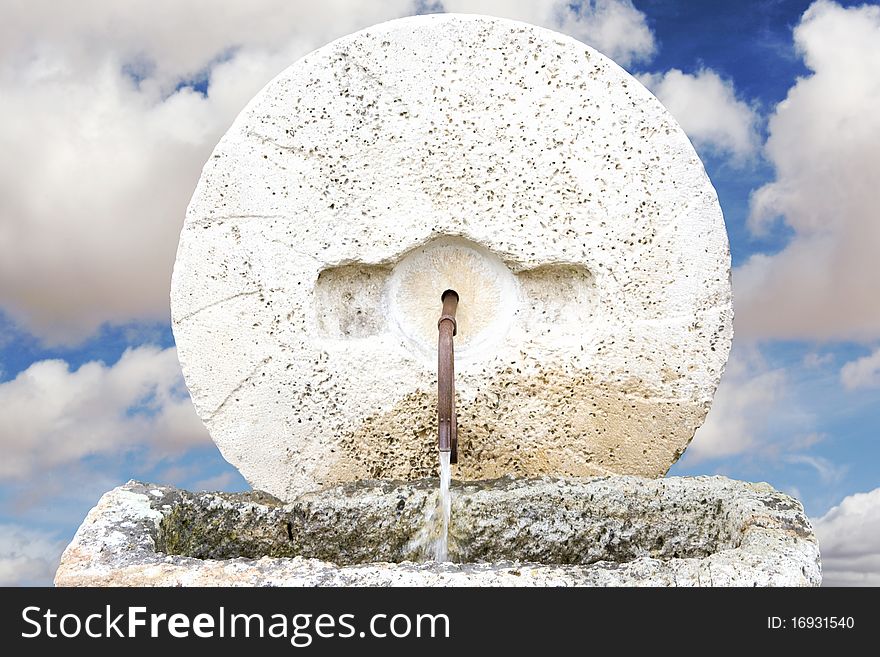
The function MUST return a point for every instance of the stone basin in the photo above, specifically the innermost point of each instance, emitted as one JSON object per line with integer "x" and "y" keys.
{"x": 597, "y": 531}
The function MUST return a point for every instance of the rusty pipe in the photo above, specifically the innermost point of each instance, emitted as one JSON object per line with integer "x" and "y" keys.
{"x": 447, "y": 423}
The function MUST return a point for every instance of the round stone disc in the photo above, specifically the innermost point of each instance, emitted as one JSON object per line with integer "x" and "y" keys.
{"x": 510, "y": 163}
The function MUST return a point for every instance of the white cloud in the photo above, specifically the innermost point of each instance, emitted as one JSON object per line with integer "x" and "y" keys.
{"x": 863, "y": 372}
{"x": 742, "y": 410}
{"x": 166, "y": 39}
{"x": 709, "y": 111}
{"x": 759, "y": 412}
{"x": 52, "y": 417}
{"x": 849, "y": 541}
{"x": 101, "y": 154}
{"x": 829, "y": 473}
{"x": 28, "y": 557}
{"x": 824, "y": 139}
{"x": 613, "y": 27}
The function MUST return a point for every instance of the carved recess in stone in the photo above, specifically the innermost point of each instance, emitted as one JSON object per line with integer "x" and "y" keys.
{"x": 511, "y": 163}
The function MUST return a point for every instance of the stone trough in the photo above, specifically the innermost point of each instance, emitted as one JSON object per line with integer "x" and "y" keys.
{"x": 601, "y": 531}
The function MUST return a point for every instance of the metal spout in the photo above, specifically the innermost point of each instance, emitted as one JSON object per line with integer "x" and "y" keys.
{"x": 447, "y": 422}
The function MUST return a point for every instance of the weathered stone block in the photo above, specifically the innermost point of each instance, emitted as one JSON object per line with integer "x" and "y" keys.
{"x": 604, "y": 531}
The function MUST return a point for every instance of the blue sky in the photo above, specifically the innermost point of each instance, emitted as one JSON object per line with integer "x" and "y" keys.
{"x": 107, "y": 116}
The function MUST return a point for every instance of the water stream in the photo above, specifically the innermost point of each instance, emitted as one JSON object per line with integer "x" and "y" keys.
{"x": 432, "y": 540}
{"x": 444, "y": 506}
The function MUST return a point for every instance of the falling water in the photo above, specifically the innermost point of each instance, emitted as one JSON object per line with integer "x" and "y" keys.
{"x": 432, "y": 541}
{"x": 444, "y": 505}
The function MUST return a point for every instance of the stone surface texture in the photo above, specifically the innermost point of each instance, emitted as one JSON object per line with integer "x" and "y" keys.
{"x": 511, "y": 163}
{"x": 603, "y": 531}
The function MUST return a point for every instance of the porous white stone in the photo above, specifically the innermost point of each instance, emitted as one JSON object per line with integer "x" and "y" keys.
{"x": 511, "y": 163}
{"x": 609, "y": 531}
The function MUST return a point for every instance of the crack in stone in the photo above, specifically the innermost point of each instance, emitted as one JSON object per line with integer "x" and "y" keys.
{"x": 368, "y": 73}
{"x": 302, "y": 150}
{"x": 226, "y": 399}
{"x": 216, "y": 303}
{"x": 231, "y": 217}
{"x": 299, "y": 252}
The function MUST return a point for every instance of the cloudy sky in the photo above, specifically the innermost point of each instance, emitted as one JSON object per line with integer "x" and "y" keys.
{"x": 108, "y": 111}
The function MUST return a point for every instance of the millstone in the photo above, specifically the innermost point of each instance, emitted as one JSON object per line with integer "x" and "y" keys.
{"x": 513, "y": 164}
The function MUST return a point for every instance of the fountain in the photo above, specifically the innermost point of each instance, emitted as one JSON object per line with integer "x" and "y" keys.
{"x": 541, "y": 200}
